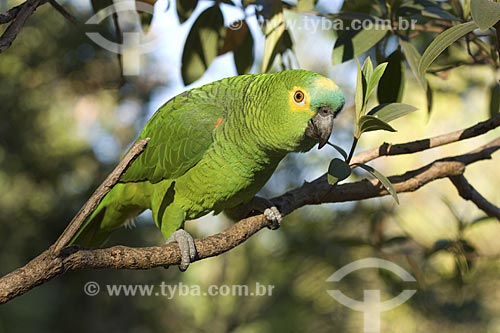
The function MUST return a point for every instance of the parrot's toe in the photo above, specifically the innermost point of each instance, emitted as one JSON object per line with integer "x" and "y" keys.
{"x": 186, "y": 245}
{"x": 274, "y": 217}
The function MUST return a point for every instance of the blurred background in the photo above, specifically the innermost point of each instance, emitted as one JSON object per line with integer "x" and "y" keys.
{"x": 68, "y": 115}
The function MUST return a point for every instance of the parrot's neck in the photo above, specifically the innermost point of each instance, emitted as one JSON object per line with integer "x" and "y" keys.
{"x": 259, "y": 119}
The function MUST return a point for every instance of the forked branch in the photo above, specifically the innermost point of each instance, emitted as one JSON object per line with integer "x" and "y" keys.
{"x": 53, "y": 263}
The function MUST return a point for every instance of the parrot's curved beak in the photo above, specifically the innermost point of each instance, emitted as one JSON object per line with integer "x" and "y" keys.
{"x": 321, "y": 125}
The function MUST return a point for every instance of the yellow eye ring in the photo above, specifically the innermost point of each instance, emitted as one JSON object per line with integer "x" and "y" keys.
{"x": 299, "y": 96}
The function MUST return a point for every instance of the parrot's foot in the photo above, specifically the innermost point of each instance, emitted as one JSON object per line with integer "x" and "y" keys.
{"x": 186, "y": 245}
{"x": 274, "y": 217}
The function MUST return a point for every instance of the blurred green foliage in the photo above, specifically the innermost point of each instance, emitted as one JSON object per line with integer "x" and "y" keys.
{"x": 58, "y": 91}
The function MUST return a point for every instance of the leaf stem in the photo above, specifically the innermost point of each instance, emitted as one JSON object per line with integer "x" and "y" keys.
{"x": 351, "y": 152}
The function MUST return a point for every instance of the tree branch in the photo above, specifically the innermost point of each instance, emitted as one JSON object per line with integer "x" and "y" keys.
{"x": 97, "y": 196}
{"x": 468, "y": 192}
{"x": 18, "y": 15}
{"x": 10, "y": 14}
{"x": 51, "y": 264}
{"x": 388, "y": 149}
{"x": 319, "y": 191}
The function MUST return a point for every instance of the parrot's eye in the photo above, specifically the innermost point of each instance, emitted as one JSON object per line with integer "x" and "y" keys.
{"x": 298, "y": 96}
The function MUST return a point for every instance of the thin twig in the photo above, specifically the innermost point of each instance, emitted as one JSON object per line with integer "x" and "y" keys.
{"x": 388, "y": 149}
{"x": 24, "y": 12}
{"x": 10, "y": 14}
{"x": 96, "y": 198}
{"x": 468, "y": 192}
{"x": 449, "y": 67}
{"x": 351, "y": 152}
{"x": 63, "y": 11}
{"x": 119, "y": 41}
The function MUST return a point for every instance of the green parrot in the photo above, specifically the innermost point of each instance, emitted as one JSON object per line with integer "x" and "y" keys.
{"x": 213, "y": 148}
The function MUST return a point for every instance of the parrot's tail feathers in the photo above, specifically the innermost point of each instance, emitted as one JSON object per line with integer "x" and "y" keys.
{"x": 118, "y": 207}
{"x": 91, "y": 234}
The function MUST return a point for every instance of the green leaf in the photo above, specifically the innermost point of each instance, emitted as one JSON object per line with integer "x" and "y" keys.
{"x": 425, "y": 8}
{"x": 239, "y": 39}
{"x": 360, "y": 91}
{"x": 338, "y": 170}
{"x": 146, "y": 19}
{"x": 391, "y": 111}
{"x": 352, "y": 43}
{"x": 391, "y": 86}
{"x": 494, "y": 99}
{"x": 383, "y": 179}
{"x": 370, "y": 77}
{"x": 429, "y": 95}
{"x": 306, "y": 5}
{"x": 284, "y": 43}
{"x": 466, "y": 7}
{"x": 413, "y": 59}
{"x": 372, "y": 123}
{"x": 375, "y": 78}
{"x": 441, "y": 42}
{"x": 367, "y": 68}
{"x": 185, "y": 9}
{"x": 98, "y": 5}
{"x": 339, "y": 149}
{"x": 277, "y": 38}
{"x": 203, "y": 44}
{"x": 438, "y": 13}
{"x": 244, "y": 54}
{"x": 485, "y": 13}
{"x": 363, "y": 6}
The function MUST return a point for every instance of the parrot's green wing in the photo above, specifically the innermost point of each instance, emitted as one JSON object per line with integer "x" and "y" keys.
{"x": 180, "y": 133}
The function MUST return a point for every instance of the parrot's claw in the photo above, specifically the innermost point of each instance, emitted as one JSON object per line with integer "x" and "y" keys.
{"x": 274, "y": 217}
{"x": 186, "y": 245}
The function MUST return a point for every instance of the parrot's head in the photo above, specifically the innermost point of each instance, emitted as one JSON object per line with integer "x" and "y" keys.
{"x": 309, "y": 104}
